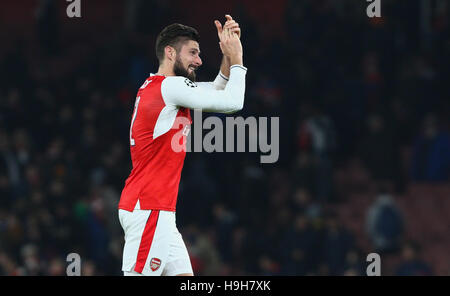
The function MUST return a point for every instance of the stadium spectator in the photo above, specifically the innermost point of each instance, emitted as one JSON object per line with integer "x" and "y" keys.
{"x": 385, "y": 224}
{"x": 342, "y": 240}
{"x": 431, "y": 155}
{"x": 300, "y": 247}
{"x": 412, "y": 264}
{"x": 380, "y": 151}
{"x": 317, "y": 138}
{"x": 354, "y": 263}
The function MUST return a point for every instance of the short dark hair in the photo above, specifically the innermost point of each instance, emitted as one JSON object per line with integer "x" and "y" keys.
{"x": 172, "y": 35}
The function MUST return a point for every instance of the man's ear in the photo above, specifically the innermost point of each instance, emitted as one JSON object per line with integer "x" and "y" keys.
{"x": 170, "y": 53}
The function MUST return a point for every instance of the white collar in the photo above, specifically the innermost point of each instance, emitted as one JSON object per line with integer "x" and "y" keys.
{"x": 151, "y": 74}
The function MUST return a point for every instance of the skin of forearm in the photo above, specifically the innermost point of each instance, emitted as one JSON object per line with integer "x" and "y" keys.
{"x": 225, "y": 66}
{"x": 236, "y": 60}
{"x": 227, "y": 62}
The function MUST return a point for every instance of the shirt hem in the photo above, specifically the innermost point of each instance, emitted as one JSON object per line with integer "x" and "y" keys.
{"x": 148, "y": 208}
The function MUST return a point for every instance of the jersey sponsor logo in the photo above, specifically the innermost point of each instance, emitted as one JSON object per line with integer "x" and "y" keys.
{"x": 155, "y": 263}
{"x": 186, "y": 130}
{"x": 190, "y": 83}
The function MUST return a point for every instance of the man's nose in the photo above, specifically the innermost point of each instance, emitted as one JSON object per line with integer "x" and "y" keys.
{"x": 198, "y": 61}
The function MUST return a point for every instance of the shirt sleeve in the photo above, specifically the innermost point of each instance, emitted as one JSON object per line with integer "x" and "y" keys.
{"x": 219, "y": 83}
{"x": 182, "y": 92}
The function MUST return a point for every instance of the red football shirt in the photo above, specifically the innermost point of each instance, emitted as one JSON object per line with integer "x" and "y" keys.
{"x": 159, "y": 125}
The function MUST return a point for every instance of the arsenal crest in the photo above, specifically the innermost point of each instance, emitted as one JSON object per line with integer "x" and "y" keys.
{"x": 155, "y": 263}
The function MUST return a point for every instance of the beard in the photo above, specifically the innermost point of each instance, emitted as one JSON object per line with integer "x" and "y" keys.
{"x": 179, "y": 70}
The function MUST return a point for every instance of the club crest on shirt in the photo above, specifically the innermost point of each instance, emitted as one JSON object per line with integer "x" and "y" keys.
{"x": 155, "y": 263}
{"x": 190, "y": 83}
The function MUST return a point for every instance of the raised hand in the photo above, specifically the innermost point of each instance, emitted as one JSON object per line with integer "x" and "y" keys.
{"x": 229, "y": 43}
{"x": 232, "y": 25}
{"x": 229, "y": 24}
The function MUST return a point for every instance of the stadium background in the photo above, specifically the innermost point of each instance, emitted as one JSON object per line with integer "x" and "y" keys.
{"x": 364, "y": 137}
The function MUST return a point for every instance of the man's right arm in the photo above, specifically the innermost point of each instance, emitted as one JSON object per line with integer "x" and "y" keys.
{"x": 182, "y": 92}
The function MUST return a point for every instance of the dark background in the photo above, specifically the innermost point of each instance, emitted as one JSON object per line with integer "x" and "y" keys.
{"x": 364, "y": 136}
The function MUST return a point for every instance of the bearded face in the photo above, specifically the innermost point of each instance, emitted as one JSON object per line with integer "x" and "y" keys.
{"x": 187, "y": 71}
{"x": 187, "y": 59}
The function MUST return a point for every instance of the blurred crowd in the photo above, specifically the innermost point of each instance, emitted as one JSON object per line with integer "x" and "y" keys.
{"x": 344, "y": 86}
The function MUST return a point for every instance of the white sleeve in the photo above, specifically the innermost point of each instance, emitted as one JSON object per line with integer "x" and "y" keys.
{"x": 219, "y": 83}
{"x": 180, "y": 91}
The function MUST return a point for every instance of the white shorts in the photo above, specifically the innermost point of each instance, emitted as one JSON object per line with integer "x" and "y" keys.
{"x": 153, "y": 244}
